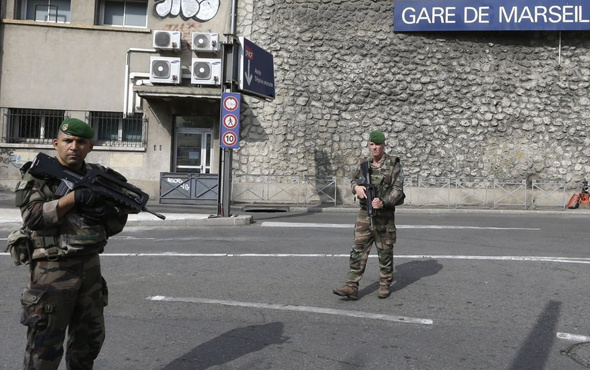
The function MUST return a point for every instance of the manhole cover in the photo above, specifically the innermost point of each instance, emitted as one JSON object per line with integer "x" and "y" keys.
{"x": 579, "y": 352}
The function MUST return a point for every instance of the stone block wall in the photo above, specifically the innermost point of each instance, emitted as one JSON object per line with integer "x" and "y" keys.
{"x": 508, "y": 105}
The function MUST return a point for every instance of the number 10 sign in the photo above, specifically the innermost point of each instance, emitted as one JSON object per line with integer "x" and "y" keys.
{"x": 230, "y": 120}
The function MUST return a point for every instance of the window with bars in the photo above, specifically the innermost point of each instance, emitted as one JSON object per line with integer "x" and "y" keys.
{"x": 112, "y": 129}
{"x": 37, "y": 126}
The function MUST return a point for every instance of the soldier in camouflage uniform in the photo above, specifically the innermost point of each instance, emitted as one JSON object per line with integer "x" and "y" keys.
{"x": 386, "y": 174}
{"x": 66, "y": 290}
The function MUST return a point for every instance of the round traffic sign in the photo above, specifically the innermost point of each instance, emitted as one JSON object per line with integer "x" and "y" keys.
{"x": 230, "y": 121}
{"x": 230, "y": 103}
{"x": 229, "y": 138}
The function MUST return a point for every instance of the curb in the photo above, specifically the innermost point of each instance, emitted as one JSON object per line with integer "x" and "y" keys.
{"x": 417, "y": 210}
{"x": 199, "y": 220}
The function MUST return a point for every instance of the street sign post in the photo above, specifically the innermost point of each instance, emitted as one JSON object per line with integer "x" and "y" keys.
{"x": 230, "y": 120}
{"x": 256, "y": 70}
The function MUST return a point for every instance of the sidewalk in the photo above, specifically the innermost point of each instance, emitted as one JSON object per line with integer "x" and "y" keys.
{"x": 176, "y": 216}
{"x": 190, "y": 215}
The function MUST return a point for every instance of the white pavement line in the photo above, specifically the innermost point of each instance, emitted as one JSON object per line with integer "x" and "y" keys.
{"x": 442, "y": 227}
{"x": 582, "y": 260}
{"x": 573, "y": 337}
{"x": 329, "y": 311}
{"x": 350, "y": 226}
{"x": 302, "y": 224}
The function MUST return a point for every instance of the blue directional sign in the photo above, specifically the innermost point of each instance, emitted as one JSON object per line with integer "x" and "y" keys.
{"x": 230, "y": 120}
{"x": 256, "y": 70}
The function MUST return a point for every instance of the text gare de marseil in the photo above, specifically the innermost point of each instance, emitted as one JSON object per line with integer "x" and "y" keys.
{"x": 485, "y": 14}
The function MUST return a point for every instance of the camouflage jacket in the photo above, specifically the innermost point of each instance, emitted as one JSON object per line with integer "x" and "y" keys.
{"x": 72, "y": 234}
{"x": 388, "y": 179}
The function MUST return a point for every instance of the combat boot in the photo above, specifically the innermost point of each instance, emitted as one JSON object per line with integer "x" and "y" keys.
{"x": 352, "y": 292}
{"x": 383, "y": 291}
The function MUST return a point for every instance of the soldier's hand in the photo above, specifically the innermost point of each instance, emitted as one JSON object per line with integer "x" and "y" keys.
{"x": 360, "y": 191}
{"x": 99, "y": 214}
{"x": 85, "y": 197}
{"x": 377, "y": 203}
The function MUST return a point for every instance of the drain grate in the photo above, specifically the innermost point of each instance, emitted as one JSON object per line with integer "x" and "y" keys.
{"x": 269, "y": 208}
{"x": 579, "y": 352}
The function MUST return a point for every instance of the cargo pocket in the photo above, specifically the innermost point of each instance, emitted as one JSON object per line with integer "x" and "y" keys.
{"x": 34, "y": 313}
{"x": 391, "y": 233}
{"x": 105, "y": 292}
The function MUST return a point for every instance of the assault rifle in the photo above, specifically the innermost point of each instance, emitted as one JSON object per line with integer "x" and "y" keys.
{"x": 370, "y": 191}
{"x": 104, "y": 183}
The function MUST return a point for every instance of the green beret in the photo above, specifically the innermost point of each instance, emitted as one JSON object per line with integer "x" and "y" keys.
{"x": 377, "y": 137}
{"x": 76, "y": 127}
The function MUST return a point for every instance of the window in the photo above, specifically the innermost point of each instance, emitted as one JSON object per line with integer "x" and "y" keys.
{"x": 47, "y": 10}
{"x": 124, "y": 13}
{"x": 112, "y": 129}
{"x": 33, "y": 125}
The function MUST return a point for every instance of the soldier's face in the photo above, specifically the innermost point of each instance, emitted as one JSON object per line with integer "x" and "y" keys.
{"x": 72, "y": 150}
{"x": 377, "y": 150}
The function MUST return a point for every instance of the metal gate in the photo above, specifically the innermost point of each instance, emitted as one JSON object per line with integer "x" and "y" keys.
{"x": 188, "y": 188}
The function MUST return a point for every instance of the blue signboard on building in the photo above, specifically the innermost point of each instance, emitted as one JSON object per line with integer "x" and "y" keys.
{"x": 491, "y": 15}
{"x": 256, "y": 70}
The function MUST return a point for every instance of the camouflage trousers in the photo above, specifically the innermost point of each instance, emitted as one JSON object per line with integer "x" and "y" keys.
{"x": 383, "y": 236}
{"x": 65, "y": 295}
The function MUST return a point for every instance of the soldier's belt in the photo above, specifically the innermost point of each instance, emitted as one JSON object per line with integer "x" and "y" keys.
{"x": 45, "y": 241}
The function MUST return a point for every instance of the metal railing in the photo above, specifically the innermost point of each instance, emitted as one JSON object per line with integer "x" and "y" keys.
{"x": 420, "y": 191}
{"x": 547, "y": 193}
{"x": 267, "y": 189}
{"x": 472, "y": 192}
{"x": 510, "y": 193}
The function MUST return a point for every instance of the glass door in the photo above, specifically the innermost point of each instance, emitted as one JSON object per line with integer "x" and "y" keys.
{"x": 193, "y": 150}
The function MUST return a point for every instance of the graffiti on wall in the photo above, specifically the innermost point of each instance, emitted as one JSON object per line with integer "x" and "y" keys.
{"x": 199, "y": 10}
{"x": 7, "y": 157}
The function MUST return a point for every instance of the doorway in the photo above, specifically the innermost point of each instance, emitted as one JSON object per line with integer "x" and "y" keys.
{"x": 193, "y": 144}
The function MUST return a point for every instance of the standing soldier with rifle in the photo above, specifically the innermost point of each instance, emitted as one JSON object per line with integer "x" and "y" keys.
{"x": 378, "y": 184}
{"x": 68, "y": 231}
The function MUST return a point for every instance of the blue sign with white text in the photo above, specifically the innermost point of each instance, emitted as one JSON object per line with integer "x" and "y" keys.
{"x": 257, "y": 73}
{"x": 491, "y": 15}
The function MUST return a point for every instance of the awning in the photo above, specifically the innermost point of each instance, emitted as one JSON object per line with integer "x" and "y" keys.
{"x": 175, "y": 91}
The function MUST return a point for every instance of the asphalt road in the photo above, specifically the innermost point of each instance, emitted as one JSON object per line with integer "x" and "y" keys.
{"x": 472, "y": 291}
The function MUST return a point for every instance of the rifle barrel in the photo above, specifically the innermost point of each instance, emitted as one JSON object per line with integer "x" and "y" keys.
{"x": 158, "y": 215}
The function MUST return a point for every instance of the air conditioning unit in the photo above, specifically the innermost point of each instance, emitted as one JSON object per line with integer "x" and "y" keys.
{"x": 164, "y": 70}
{"x": 206, "y": 71}
{"x": 205, "y": 42}
{"x": 167, "y": 40}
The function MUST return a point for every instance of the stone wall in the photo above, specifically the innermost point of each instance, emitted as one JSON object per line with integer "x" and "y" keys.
{"x": 508, "y": 105}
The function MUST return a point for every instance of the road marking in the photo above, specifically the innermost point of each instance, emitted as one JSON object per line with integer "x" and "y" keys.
{"x": 583, "y": 260}
{"x": 351, "y": 226}
{"x": 573, "y": 337}
{"x": 283, "y": 307}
